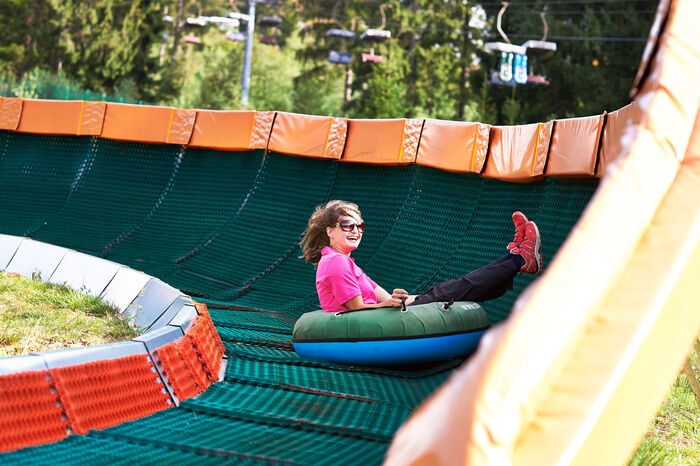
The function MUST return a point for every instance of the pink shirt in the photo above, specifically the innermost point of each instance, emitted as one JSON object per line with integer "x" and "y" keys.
{"x": 338, "y": 280}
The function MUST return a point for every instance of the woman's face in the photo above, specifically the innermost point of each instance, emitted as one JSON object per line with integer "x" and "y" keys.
{"x": 346, "y": 235}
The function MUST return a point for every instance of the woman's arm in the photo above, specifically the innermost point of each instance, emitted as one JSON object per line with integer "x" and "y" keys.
{"x": 384, "y": 299}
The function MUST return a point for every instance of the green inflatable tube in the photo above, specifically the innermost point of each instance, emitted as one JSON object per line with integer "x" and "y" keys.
{"x": 426, "y": 332}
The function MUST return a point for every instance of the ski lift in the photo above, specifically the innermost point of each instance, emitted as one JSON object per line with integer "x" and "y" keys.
{"x": 267, "y": 40}
{"x": 540, "y": 50}
{"x": 375, "y": 36}
{"x": 341, "y": 58}
{"x": 190, "y": 39}
{"x": 340, "y": 33}
{"x": 235, "y": 36}
{"x": 239, "y": 16}
{"x": 267, "y": 21}
{"x": 198, "y": 21}
{"x": 512, "y": 63}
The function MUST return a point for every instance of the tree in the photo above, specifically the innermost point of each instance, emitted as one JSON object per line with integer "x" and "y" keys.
{"x": 106, "y": 41}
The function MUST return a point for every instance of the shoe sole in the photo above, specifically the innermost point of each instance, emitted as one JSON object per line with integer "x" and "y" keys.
{"x": 538, "y": 247}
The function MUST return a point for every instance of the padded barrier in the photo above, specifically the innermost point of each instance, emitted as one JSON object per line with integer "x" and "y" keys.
{"x": 62, "y": 117}
{"x": 620, "y": 126}
{"x": 310, "y": 136}
{"x": 518, "y": 153}
{"x": 574, "y": 148}
{"x": 453, "y": 146}
{"x": 29, "y": 412}
{"x": 382, "y": 142}
{"x": 103, "y": 393}
{"x": 10, "y": 112}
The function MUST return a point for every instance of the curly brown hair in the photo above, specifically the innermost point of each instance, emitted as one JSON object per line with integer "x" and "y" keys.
{"x": 326, "y": 215}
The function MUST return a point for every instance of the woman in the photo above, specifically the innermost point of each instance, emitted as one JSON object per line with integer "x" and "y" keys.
{"x": 335, "y": 230}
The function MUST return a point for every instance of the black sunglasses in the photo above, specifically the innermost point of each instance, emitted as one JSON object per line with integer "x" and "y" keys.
{"x": 348, "y": 225}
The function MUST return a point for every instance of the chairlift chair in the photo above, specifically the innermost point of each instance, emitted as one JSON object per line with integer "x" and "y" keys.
{"x": 267, "y": 40}
{"x": 190, "y": 39}
{"x": 340, "y": 33}
{"x": 341, "y": 58}
{"x": 235, "y": 36}
{"x": 267, "y": 21}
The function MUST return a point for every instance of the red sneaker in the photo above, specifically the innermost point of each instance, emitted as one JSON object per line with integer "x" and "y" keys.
{"x": 531, "y": 249}
{"x": 519, "y": 220}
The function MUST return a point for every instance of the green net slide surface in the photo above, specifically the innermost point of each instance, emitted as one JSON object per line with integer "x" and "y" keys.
{"x": 224, "y": 227}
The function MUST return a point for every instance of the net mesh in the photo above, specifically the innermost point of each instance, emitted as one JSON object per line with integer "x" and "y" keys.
{"x": 225, "y": 227}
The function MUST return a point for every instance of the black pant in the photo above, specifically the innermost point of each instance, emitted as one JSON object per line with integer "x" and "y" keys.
{"x": 488, "y": 282}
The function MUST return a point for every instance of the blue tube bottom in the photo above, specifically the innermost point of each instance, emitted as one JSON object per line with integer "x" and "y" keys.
{"x": 389, "y": 352}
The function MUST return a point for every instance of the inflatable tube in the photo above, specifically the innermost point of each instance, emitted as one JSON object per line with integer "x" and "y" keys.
{"x": 388, "y": 336}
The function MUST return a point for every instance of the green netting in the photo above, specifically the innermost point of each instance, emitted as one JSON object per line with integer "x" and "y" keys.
{"x": 119, "y": 187}
{"x": 37, "y": 175}
{"x": 193, "y": 430}
{"x": 321, "y": 411}
{"x": 225, "y": 226}
{"x": 204, "y": 195}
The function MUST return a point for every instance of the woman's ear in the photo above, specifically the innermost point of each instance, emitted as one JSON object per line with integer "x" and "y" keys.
{"x": 328, "y": 231}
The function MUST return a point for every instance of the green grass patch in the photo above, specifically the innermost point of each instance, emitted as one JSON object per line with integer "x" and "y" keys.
{"x": 38, "y": 316}
{"x": 673, "y": 437}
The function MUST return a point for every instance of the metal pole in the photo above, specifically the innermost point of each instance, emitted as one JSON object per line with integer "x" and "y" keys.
{"x": 245, "y": 85}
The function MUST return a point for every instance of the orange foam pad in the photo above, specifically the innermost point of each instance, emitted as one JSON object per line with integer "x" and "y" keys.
{"x": 518, "y": 153}
{"x": 382, "y": 142}
{"x": 65, "y": 117}
{"x": 29, "y": 414}
{"x": 177, "y": 370}
{"x": 142, "y": 123}
{"x": 10, "y": 112}
{"x": 207, "y": 344}
{"x": 308, "y": 135}
{"x": 574, "y": 148}
{"x": 616, "y": 125}
{"x": 453, "y": 146}
{"x": 99, "y": 394}
{"x": 223, "y": 130}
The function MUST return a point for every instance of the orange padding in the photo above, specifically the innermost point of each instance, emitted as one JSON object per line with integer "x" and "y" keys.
{"x": 382, "y": 142}
{"x": 574, "y": 148}
{"x": 29, "y": 414}
{"x": 518, "y": 153}
{"x": 142, "y": 123}
{"x": 182, "y": 367}
{"x": 307, "y": 135}
{"x": 105, "y": 393}
{"x": 617, "y": 125}
{"x": 10, "y": 112}
{"x": 62, "y": 117}
{"x": 453, "y": 146}
{"x": 231, "y": 130}
{"x": 207, "y": 344}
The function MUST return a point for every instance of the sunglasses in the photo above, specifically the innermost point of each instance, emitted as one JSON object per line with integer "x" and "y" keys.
{"x": 348, "y": 225}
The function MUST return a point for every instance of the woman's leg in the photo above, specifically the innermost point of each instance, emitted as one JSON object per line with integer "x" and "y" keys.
{"x": 488, "y": 282}
{"x": 493, "y": 280}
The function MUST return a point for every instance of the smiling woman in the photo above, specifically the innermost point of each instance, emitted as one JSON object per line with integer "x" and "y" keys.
{"x": 38, "y": 316}
{"x": 335, "y": 230}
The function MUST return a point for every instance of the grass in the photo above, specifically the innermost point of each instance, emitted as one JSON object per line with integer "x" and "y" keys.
{"x": 38, "y": 316}
{"x": 673, "y": 437}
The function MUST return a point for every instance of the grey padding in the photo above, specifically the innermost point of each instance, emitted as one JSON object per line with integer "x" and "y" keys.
{"x": 74, "y": 356}
{"x": 8, "y": 247}
{"x": 36, "y": 257}
{"x": 152, "y": 302}
{"x": 85, "y": 272}
{"x": 172, "y": 311}
{"x": 15, "y": 364}
{"x": 124, "y": 288}
{"x": 183, "y": 318}
{"x": 162, "y": 336}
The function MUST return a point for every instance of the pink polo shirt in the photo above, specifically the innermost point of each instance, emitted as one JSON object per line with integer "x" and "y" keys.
{"x": 338, "y": 280}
